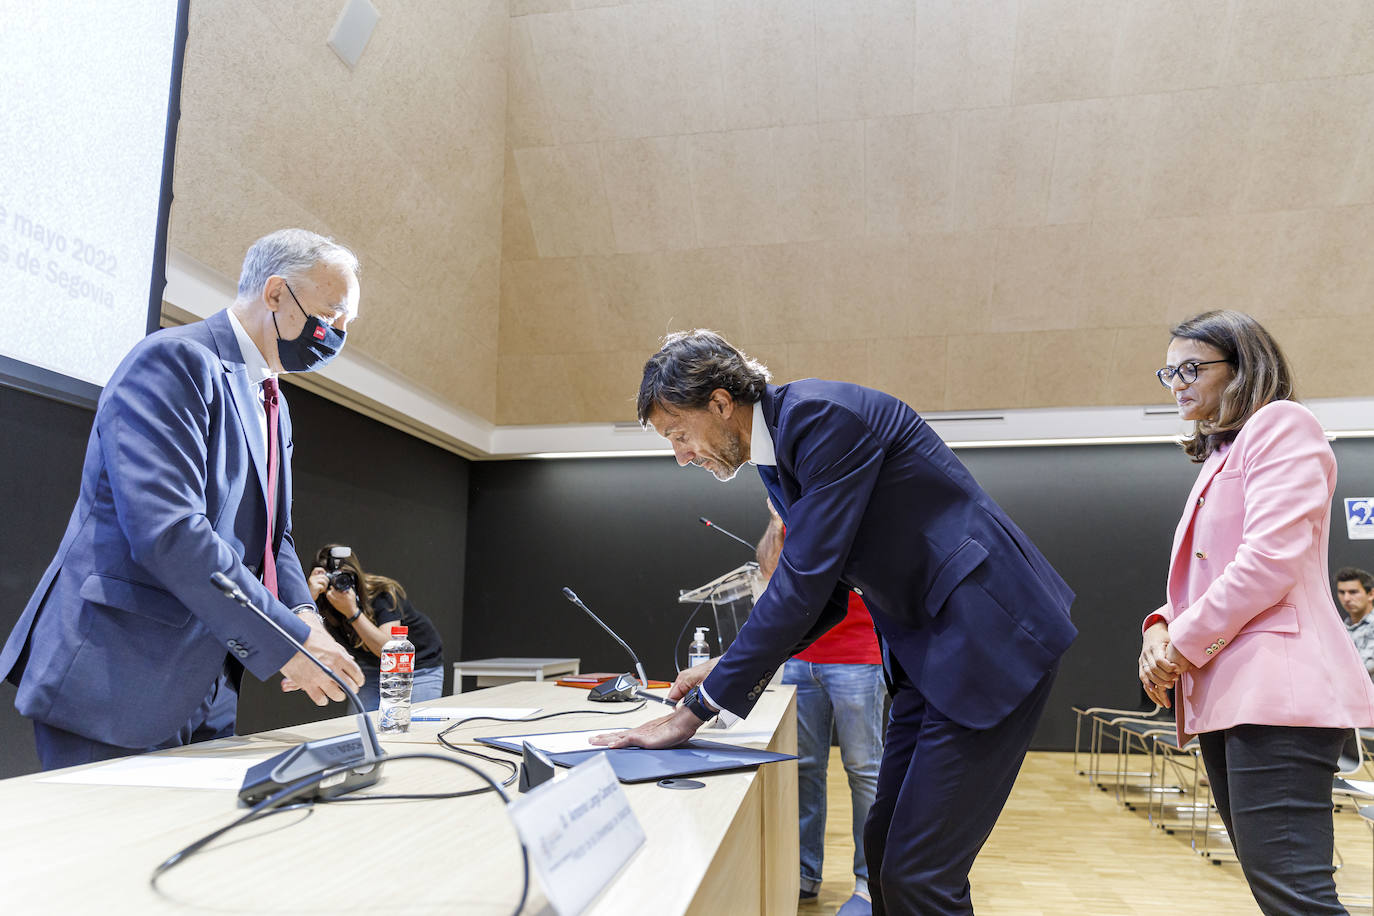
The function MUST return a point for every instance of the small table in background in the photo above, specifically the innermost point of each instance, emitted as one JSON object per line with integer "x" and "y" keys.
{"x": 493, "y": 672}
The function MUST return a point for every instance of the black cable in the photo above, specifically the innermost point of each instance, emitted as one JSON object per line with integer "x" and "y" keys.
{"x": 547, "y": 715}
{"x": 275, "y": 802}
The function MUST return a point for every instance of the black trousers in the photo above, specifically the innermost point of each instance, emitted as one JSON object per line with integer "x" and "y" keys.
{"x": 1272, "y": 786}
{"x": 941, "y": 788}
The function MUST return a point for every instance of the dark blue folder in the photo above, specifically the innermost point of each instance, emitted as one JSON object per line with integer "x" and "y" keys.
{"x": 637, "y": 764}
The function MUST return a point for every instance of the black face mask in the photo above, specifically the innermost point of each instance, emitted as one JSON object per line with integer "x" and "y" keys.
{"x": 317, "y": 344}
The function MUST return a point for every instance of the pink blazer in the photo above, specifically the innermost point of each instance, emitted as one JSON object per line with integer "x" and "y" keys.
{"x": 1249, "y": 601}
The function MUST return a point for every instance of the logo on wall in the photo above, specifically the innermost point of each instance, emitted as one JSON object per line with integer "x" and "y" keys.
{"x": 1359, "y": 518}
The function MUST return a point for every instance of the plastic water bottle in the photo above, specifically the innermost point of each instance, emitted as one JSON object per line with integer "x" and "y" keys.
{"x": 700, "y": 650}
{"x": 398, "y": 671}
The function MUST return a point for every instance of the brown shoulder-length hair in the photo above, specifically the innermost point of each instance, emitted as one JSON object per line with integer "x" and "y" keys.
{"x": 370, "y": 587}
{"x": 1262, "y": 375}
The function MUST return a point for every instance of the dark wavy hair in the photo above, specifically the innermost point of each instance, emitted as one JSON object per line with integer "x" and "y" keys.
{"x": 370, "y": 586}
{"x": 692, "y": 364}
{"x": 1349, "y": 573}
{"x": 1262, "y": 375}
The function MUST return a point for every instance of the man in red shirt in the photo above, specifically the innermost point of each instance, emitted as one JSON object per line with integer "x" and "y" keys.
{"x": 838, "y": 679}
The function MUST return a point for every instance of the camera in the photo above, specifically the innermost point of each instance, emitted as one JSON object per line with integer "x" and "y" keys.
{"x": 341, "y": 578}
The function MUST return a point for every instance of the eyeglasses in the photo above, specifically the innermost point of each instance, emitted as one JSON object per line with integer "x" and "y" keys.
{"x": 1186, "y": 371}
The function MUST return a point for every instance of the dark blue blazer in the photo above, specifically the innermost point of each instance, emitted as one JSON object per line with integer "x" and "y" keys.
{"x": 875, "y": 501}
{"x": 125, "y": 635}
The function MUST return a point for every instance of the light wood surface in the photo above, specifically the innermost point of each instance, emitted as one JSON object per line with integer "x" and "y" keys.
{"x": 78, "y": 848}
{"x": 1062, "y": 848}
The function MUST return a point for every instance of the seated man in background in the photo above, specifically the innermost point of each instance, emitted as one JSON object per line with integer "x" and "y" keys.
{"x": 126, "y": 646}
{"x": 839, "y": 679}
{"x": 1355, "y": 589}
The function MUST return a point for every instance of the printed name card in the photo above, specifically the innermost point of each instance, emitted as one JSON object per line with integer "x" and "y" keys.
{"x": 580, "y": 832}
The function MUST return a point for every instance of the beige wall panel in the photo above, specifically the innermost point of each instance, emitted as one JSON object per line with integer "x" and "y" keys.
{"x": 785, "y": 293}
{"x": 1136, "y": 354}
{"x": 1325, "y": 364}
{"x": 649, "y": 190}
{"x": 527, "y": 118}
{"x": 579, "y": 59}
{"x": 1064, "y": 49}
{"x": 843, "y": 360}
{"x": 986, "y": 371}
{"x": 909, "y": 173}
{"x": 1200, "y": 147}
{"x": 566, "y": 199}
{"x": 625, "y": 301}
{"x": 702, "y": 288}
{"x": 1075, "y": 363}
{"x": 384, "y": 305}
{"x": 820, "y": 180}
{"x": 768, "y": 62}
{"x": 865, "y": 58}
{"x": 1321, "y": 265}
{"x": 1128, "y": 273}
{"x": 531, "y": 7}
{"x": 965, "y": 53}
{"x": 869, "y": 282}
{"x": 1006, "y": 157}
{"x": 537, "y": 388}
{"x": 517, "y": 235}
{"x": 544, "y": 308}
{"x": 1038, "y": 280}
{"x": 1167, "y": 45}
{"x": 734, "y": 188}
{"x": 950, "y": 289}
{"x": 671, "y": 73}
{"x": 772, "y": 355}
{"x": 607, "y": 383}
{"x": 911, "y": 368}
{"x": 1308, "y": 138}
{"x": 1225, "y": 261}
{"x": 1283, "y": 40}
{"x": 1099, "y": 159}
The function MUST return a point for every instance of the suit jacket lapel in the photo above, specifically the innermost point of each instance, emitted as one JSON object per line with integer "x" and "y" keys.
{"x": 247, "y": 403}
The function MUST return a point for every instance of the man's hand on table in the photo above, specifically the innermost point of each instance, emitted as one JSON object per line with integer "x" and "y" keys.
{"x": 666, "y": 731}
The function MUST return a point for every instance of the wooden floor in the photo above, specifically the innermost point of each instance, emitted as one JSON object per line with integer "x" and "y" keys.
{"x": 1064, "y": 848}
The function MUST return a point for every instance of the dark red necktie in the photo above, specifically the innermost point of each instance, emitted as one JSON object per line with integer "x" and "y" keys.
{"x": 269, "y": 559}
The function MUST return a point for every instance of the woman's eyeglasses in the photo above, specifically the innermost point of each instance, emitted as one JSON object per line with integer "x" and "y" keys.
{"x": 1186, "y": 371}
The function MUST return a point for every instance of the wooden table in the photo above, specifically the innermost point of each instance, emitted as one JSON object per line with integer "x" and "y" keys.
{"x": 493, "y": 672}
{"x": 728, "y": 848}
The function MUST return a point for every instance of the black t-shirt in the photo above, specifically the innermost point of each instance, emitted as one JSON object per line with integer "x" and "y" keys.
{"x": 429, "y": 648}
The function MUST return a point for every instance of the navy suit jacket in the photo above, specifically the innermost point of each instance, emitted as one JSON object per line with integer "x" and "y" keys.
{"x": 125, "y": 634}
{"x": 875, "y": 501}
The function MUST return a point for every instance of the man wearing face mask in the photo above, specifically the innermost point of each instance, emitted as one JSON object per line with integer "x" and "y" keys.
{"x": 126, "y": 646}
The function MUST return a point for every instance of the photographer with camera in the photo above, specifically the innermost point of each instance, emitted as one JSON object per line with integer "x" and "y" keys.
{"x": 358, "y": 610}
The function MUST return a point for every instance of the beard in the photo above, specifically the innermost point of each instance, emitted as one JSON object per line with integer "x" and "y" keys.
{"x": 729, "y": 458}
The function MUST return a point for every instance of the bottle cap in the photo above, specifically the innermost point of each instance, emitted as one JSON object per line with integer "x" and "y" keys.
{"x": 701, "y": 632}
{"x": 399, "y": 631}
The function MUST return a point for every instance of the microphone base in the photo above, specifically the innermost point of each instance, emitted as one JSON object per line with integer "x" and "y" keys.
{"x": 303, "y": 760}
{"x": 617, "y": 690}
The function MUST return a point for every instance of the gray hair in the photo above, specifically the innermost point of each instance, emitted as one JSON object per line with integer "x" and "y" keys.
{"x": 289, "y": 253}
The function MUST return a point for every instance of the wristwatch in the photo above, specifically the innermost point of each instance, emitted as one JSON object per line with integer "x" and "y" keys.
{"x": 698, "y": 706}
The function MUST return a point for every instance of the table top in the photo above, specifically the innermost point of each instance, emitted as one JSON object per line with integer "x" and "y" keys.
{"x": 68, "y": 846}
{"x": 478, "y": 663}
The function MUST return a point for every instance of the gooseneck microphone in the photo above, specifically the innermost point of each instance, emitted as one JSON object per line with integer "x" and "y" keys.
{"x": 710, "y": 524}
{"x": 639, "y": 669}
{"x": 292, "y": 765}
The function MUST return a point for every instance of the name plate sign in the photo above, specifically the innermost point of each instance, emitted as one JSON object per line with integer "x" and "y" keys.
{"x": 580, "y": 832}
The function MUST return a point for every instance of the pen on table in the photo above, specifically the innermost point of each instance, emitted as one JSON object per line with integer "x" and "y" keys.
{"x": 430, "y": 718}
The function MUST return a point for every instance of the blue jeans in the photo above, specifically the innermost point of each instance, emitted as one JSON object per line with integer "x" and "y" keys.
{"x": 428, "y": 684}
{"x": 852, "y": 697}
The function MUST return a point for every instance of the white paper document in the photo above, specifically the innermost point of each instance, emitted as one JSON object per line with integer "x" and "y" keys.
{"x": 454, "y": 713}
{"x": 580, "y": 831}
{"x": 563, "y": 742}
{"x": 162, "y": 772}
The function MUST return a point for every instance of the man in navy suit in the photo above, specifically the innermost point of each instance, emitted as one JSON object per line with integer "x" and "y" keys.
{"x": 126, "y": 646}
{"x": 972, "y": 619}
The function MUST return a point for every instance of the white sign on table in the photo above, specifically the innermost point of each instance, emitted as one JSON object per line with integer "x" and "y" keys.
{"x": 580, "y": 832}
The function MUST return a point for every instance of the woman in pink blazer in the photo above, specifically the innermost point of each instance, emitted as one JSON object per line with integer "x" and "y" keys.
{"x": 1262, "y": 669}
